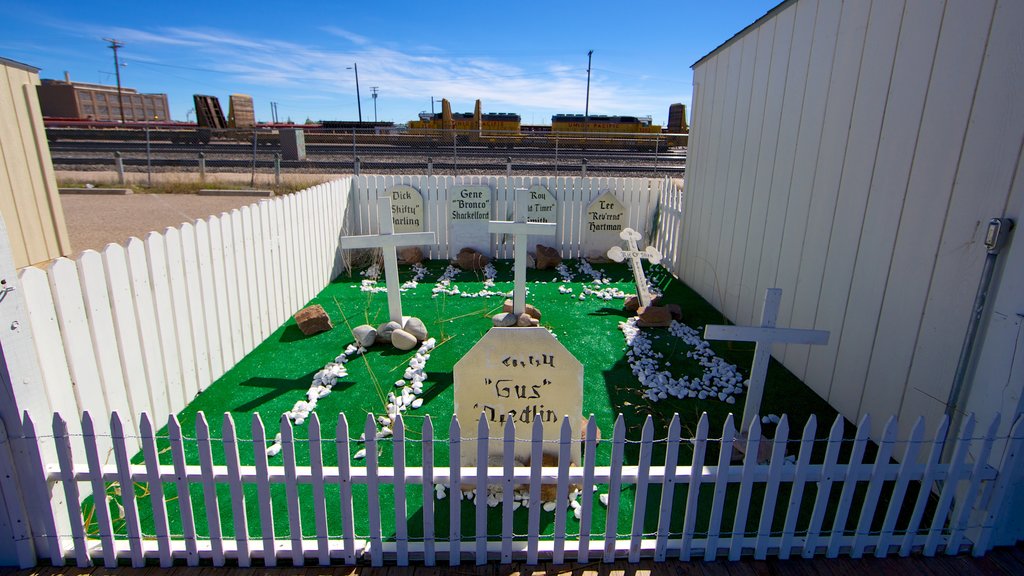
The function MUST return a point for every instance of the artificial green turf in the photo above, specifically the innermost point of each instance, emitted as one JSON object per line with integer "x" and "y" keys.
{"x": 270, "y": 379}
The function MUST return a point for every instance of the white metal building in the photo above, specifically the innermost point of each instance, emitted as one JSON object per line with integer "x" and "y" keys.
{"x": 852, "y": 153}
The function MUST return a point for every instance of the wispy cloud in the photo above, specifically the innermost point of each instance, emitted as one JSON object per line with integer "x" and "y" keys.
{"x": 319, "y": 69}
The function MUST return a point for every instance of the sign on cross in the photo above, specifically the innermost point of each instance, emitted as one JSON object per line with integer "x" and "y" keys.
{"x": 388, "y": 241}
{"x": 520, "y": 229}
{"x": 636, "y": 256}
{"x": 764, "y": 335}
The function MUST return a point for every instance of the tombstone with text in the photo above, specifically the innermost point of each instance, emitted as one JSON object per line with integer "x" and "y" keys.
{"x": 605, "y": 218}
{"x": 469, "y": 214}
{"x": 406, "y": 208}
{"x": 542, "y": 206}
{"x": 522, "y": 374}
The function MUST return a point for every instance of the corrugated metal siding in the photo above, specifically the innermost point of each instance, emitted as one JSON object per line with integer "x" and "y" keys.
{"x": 29, "y": 200}
{"x": 850, "y": 153}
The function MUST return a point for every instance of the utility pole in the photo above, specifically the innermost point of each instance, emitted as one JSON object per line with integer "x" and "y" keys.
{"x": 359, "y": 104}
{"x": 374, "y": 88}
{"x": 586, "y": 110}
{"x": 273, "y": 111}
{"x": 114, "y": 45}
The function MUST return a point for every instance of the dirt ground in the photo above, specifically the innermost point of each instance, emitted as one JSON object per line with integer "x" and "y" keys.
{"x": 95, "y": 220}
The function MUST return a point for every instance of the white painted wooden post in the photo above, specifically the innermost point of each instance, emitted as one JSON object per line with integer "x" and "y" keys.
{"x": 373, "y": 490}
{"x": 765, "y": 335}
{"x": 238, "y": 515}
{"x": 927, "y": 479}
{"x": 854, "y": 466}
{"x": 870, "y": 504}
{"x": 401, "y": 512}
{"x": 72, "y": 498}
{"x": 480, "y": 500}
{"x": 156, "y": 490}
{"x": 700, "y": 442}
{"x": 507, "y": 488}
{"x": 533, "y": 517}
{"x": 127, "y": 485}
{"x": 388, "y": 241}
{"x": 640, "y": 496}
{"x": 259, "y": 450}
{"x": 796, "y": 494}
{"x": 771, "y": 489}
{"x": 721, "y": 484}
{"x": 636, "y": 258}
{"x": 188, "y": 524}
{"x": 565, "y": 441}
{"x": 739, "y": 523}
{"x": 829, "y": 474}
{"x": 611, "y": 525}
{"x": 291, "y": 491}
{"x": 316, "y": 466}
{"x": 521, "y": 229}
{"x": 454, "y": 492}
{"x": 903, "y": 478}
{"x": 427, "y": 451}
{"x": 668, "y": 489}
{"x": 16, "y": 509}
{"x": 587, "y": 491}
{"x": 209, "y": 489}
{"x": 345, "y": 490}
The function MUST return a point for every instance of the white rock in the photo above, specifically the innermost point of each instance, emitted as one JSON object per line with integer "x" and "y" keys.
{"x": 550, "y": 506}
{"x": 360, "y": 454}
{"x": 273, "y": 450}
{"x": 604, "y": 499}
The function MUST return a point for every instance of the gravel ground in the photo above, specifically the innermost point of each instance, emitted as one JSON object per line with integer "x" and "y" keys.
{"x": 94, "y": 221}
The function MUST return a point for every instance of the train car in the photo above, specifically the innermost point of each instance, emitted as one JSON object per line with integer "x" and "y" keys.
{"x": 604, "y": 131}
{"x": 491, "y": 129}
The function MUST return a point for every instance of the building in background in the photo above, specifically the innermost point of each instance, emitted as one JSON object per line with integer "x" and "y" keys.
{"x": 67, "y": 99}
{"x": 31, "y": 210}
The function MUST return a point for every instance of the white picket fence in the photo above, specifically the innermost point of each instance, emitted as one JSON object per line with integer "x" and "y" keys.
{"x": 572, "y": 197}
{"x": 668, "y": 238}
{"x": 870, "y": 503}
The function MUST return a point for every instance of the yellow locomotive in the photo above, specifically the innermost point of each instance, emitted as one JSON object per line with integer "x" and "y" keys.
{"x": 492, "y": 129}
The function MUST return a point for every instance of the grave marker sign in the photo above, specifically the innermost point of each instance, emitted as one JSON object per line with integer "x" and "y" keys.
{"x": 406, "y": 208}
{"x": 765, "y": 335}
{"x": 523, "y": 374}
{"x": 388, "y": 241}
{"x": 469, "y": 211}
{"x": 542, "y": 207}
{"x": 636, "y": 257}
{"x": 604, "y": 220}
{"x": 520, "y": 229}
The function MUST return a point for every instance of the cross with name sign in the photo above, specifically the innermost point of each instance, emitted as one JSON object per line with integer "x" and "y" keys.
{"x": 636, "y": 256}
{"x": 764, "y": 335}
{"x": 520, "y": 229}
{"x": 388, "y": 241}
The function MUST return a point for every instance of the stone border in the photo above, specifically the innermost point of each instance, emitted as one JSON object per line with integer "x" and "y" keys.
{"x": 240, "y": 192}
{"x": 102, "y": 191}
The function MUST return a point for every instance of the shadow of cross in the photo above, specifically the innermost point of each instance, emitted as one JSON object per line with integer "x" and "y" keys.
{"x": 764, "y": 335}
{"x": 388, "y": 241}
{"x": 636, "y": 257}
{"x": 520, "y": 230}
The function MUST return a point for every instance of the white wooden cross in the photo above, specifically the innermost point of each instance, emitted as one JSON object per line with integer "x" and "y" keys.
{"x": 765, "y": 335}
{"x": 636, "y": 257}
{"x": 520, "y": 229}
{"x": 388, "y": 241}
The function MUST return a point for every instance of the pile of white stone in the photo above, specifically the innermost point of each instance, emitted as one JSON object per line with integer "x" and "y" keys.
{"x": 720, "y": 380}
{"x": 520, "y": 498}
{"x": 402, "y": 335}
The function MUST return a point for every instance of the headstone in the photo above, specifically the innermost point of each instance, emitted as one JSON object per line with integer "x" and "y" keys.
{"x": 765, "y": 335}
{"x": 469, "y": 211}
{"x": 520, "y": 229}
{"x": 406, "y": 208}
{"x": 636, "y": 258}
{"x": 521, "y": 374}
{"x": 388, "y": 241}
{"x": 542, "y": 206}
{"x": 606, "y": 217}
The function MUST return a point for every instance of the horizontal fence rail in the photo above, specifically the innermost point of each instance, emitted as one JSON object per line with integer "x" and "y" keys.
{"x": 572, "y": 196}
{"x": 688, "y": 499}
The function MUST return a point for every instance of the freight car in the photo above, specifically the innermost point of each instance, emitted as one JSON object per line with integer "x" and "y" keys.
{"x": 491, "y": 129}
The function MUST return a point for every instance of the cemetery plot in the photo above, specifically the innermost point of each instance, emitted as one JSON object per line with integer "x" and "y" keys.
{"x": 639, "y": 373}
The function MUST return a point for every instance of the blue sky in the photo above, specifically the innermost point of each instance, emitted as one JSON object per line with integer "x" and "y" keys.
{"x": 528, "y": 57}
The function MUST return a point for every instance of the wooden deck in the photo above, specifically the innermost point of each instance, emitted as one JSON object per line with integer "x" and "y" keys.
{"x": 1001, "y": 561}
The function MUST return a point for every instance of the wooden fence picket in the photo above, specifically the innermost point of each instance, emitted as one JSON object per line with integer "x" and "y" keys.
{"x": 565, "y": 441}
{"x": 127, "y": 491}
{"x": 427, "y": 458}
{"x": 803, "y": 461}
{"x": 874, "y": 487}
{"x": 508, "y": 486}
{"x": 931, "y": 472}
{"x": 829, "y": 472}
{"x": 373, "y": 491}
{"x": 72, "y": 499}
{"x": 291, "y": 490}
{"x": 316, "y": 466}
{"x": 771, "y": 489}
{"x": 401, "y": 511}
{"x": 345, "y": 489}
{"x": 238, "y": 512}
{"x": 611, "y": 525}
{"x": 209, "y": 489}
{"x": 739, "y": 523}
{"x": 156, "y": 265}
{"x": 668, "y": 489}
{"x": 965, "y": 504}
{"x": 854, "y": 465}
{"x": 955, "y": 473}
{"x": 181, "y": 482}
{"x": 99, "y": 492}
{"x": 454, "y": 493}
{"x": 903, "y": 478}
{"x": 587, "y": 490}
{"x": 259, "y": 449}
{"x": 700, "y": 442}
{"x": 721, "y": 483}
{"x": 480, "y": 500}
{"x": 156, "y": 490}
{"x": 640, "y": 496}
{"x": 180, "y": 315}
